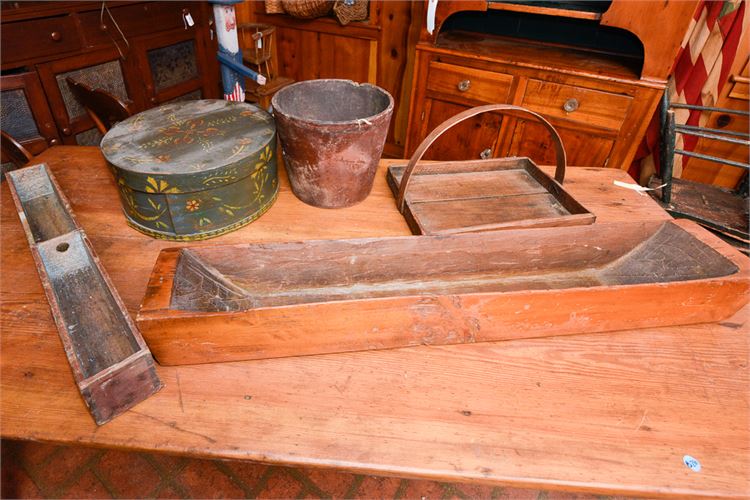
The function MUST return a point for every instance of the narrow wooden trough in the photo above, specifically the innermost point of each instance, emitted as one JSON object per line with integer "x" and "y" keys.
{"x": 111, "y": 364}
{"x": 254, "y": 301}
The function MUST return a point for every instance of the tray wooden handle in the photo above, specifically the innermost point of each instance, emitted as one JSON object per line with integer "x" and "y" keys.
{"x": 509, "y": 109}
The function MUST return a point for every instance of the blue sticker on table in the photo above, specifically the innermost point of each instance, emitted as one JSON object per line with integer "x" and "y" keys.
{"x": 692, "y": 463}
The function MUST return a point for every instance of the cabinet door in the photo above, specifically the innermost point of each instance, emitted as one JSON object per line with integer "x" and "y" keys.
{"x": 25, "y": 113}
{"x": 442, "y": 89}
{"x": 469, "y": 140}
{"x": 101, "y": 69}
{"x": 173, "y": 66}
{"x": 588, "y": 121}
{"x": 582, "y": 147}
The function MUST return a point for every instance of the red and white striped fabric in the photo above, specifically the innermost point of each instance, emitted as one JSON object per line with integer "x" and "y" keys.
{"x": 238, "y": 94}
{"x": 699, "y": 73}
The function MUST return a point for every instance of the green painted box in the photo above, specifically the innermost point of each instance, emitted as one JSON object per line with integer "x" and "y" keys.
{"x": 194, "y": 170}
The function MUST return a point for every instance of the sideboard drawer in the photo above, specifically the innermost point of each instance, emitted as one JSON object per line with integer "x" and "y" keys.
{"x": 136, "y": 20}
{"x": 598, "y": 109}
{"x": 25, "y": 40}
{"x": 469, "y": 83}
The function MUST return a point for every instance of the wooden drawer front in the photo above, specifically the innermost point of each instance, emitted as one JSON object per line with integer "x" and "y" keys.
{"x": 26, "y": 40}
{"x": 136, "y": 20}
{"x": 588, "y": 107}
{"x": 469, "y": 83}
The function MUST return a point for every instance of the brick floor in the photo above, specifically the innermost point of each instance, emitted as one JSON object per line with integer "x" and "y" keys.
{"x": 37, "y": 470}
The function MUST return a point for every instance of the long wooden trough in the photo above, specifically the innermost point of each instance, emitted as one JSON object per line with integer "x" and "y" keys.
{"x": 111, "y": 364}
{"x": 253, "y": 301}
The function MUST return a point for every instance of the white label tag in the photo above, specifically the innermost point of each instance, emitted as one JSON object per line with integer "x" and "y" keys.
{"x": 189, "y": 19}
{"x": 431, "y": 10}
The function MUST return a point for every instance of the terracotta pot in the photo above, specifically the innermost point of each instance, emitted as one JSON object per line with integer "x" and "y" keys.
{"x": 332, "y": 135}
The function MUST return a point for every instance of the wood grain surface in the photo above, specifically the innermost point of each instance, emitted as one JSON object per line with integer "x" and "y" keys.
{"x": 109, "y": 359}
{"x": 270, "y": 300}
{"x": 606, "y": 413}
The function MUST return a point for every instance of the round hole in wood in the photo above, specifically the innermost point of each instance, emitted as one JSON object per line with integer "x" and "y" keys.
{"x": 62, "y": 247}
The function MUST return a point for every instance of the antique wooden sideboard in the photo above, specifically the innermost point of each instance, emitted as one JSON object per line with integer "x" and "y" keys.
{"x": 595, "y": 69}
{"x": 144, "y": 52}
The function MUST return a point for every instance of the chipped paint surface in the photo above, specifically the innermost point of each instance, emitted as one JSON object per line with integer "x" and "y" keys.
{"x": 189, "y": 171}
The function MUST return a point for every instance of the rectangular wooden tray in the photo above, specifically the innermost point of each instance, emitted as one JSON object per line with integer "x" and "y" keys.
{"x": 488, "y": 194}
{"x": 111, "y": 363}
{"x": 254, "y": 301}
{"x": 483, "y": 195}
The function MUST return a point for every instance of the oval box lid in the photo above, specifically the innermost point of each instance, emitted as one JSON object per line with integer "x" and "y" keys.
{"x": 189, "y": 142}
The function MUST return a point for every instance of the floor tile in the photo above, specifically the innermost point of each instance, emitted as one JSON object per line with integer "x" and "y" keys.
{"x": 166, "y": 464}
{"x": 423, "y": 490}
{"x": 87, "y": 486}
{"x": 378, "y": 487}
{"x": 128, "y": 474}
{"x": 281, "y": 484}
{"x": 61, "y": 468}
{"x": 15, "y": 483}
{"x": 247, "y": 473}
{"x": 31, "y": 453}
{"x": 40, "y": 470}
{"x": 332, "y": 484}
{"x": 201, "y": 479}
{"x": 468, "y": 491}
{"x": 516, "y": 494}
{"x": 168, "y": 491}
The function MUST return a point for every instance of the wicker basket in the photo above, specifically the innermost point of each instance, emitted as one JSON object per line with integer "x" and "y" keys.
{"x": 307, "y": 9}
{"x": 257, "y": 40}
{"x": 274, "y": 7}
{"x": 351, "y": 10}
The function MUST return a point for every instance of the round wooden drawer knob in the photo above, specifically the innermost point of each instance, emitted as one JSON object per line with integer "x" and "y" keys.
{"x": 464, "y": 85}
{"x": 571, "y": 105}
{"x": 56, "y": 36}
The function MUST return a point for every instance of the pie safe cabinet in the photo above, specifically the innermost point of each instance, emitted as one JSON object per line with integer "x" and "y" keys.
{"x": 147, "y": 53}
{"x": 596, "y": 70}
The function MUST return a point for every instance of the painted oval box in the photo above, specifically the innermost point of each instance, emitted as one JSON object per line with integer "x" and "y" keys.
{"x": 194, "y": 170}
